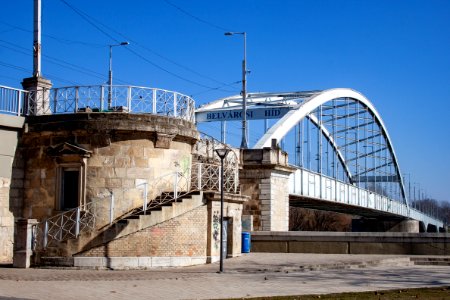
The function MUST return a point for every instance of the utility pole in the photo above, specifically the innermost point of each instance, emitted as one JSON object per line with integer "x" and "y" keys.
{"x": 39, "y": 97}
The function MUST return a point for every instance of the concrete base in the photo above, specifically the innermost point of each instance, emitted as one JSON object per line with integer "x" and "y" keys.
{"x": 23, "y": 243}
{"x": 121, "y": 263}
{"x": 22, "y": 259}
{"x": 351, "y": 243}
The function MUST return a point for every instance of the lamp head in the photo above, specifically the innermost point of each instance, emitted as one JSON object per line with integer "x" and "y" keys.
{"x": 124, "y": 43}
{"x": 228, "y": 33}
{"x": 223, "y": 152}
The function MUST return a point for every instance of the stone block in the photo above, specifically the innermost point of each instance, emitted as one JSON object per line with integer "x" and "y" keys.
{"x": 318, "y": 247}
{"x": 379, "y": 248}
{"x": 267, "y": 246}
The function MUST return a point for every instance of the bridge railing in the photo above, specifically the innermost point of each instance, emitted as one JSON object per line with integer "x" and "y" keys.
{"x": 121, "y": 98}
{"x": 314, "y": 185}
{"x": 12, "y": 100}
{"x": 100, "y": 98}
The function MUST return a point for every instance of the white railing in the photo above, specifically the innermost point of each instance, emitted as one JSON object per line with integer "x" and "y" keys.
{"x": 314, "y": 185}
{"x": 12, "y": 100}
{"x": 99, "y": 98}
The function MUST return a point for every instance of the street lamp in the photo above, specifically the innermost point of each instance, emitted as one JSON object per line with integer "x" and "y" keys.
{"x": 110, "y": 71}
{"x": 244, "y": 143}
{"x": 222, "y": 153}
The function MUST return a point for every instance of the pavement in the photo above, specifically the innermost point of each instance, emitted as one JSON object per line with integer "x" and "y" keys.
{"x": 250, "y": 275}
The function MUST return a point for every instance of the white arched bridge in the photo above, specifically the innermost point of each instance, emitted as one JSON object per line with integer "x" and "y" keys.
{"x": 344, "y": 158}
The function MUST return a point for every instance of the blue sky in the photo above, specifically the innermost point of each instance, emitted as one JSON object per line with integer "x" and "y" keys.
{"x": 394, "y": 52}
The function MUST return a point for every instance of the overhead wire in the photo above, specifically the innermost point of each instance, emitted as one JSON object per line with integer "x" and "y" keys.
{"x": 91, "y": 20}
{"x": 58, "y": 61}
{"x": 61, "y": 40}
{"x": 11, "y": 66}
{"x": 223, "y": 29}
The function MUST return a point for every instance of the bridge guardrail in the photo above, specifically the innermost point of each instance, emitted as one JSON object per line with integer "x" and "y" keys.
{"x": 12, "y": 100}
{"x": 311, "y": 184}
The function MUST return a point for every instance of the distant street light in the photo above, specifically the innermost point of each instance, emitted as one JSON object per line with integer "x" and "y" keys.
{"x": 110, "y": 71}
{"x": 244, "y": 142}
{"x": 222, "y": 153}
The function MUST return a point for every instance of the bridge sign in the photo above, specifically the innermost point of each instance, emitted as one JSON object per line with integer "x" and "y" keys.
{"x": 236, "y": 114}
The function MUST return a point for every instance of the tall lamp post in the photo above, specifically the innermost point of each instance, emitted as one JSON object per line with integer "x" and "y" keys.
{"x": 110, "y": 71}
{"x": 222, "y": 153}
{"x": 244, "y": 143}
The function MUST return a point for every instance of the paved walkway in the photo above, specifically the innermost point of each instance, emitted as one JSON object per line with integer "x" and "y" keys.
{"x": 256, "y": 274}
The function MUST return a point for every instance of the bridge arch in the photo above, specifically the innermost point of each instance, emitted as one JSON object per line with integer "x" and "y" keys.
{"x": 305, "y": 110}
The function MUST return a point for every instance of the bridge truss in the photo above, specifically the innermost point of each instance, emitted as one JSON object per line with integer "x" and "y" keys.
{"x": 337, "y": 133}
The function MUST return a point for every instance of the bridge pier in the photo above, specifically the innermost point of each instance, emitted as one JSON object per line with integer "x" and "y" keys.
{"x": 376, "y": 225}
{"x": 265, "y": 178}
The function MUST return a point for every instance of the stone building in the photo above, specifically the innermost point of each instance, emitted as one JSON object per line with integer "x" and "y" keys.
{"x": 129, "y": 186}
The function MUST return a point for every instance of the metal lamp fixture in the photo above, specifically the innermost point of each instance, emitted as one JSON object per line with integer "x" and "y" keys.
{"x": 110, "y": 71}
{"x": 244, "y": 142}
{"x": 222, "y": 153}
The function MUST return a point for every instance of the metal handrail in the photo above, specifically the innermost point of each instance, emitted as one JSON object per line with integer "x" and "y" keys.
{"x": 94, "y": 215}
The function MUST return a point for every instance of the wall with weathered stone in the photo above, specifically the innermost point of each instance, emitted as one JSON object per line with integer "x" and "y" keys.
{"x": 232, "y": 212}
{"x": 10, "y": 126}
{"x": 184, "y": 236}
{"x": 265, "y": 178}
{"x": 121, "y": 151}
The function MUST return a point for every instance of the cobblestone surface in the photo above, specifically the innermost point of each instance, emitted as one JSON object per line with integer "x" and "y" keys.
{"x": 256, "y": 274}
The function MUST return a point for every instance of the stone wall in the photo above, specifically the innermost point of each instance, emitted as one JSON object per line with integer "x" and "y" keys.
{"x": 184, "y": 236}
{"x": 393, "y": 243}
{"x": 6, "y": 223}
{"x": 116, "y": 152}
{"x": 265, "y": 178}
{"x": 188, "y": 239}
{"x": 232, "y": 212}
{"x": 10, "y": 205}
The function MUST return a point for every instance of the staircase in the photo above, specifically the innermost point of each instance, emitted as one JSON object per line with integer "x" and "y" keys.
{"x": 62, "y": 254}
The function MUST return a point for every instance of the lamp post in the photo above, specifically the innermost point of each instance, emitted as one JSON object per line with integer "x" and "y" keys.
{"x": 222, "y": 153}
{"x": 110, "y": 71}
{"x": 244, "y": 143}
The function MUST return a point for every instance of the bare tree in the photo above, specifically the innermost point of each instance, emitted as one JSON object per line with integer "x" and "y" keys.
{"x": 302, "y": 219}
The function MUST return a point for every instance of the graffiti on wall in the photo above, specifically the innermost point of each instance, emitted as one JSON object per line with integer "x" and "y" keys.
{"x": 216, "y": 228}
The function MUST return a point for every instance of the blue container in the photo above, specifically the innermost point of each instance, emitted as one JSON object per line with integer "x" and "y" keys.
{"x": 246, "y": 242}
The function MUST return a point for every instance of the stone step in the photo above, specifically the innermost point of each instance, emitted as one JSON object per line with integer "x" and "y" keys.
{"x": 46, "y": 261}
{"x": 431, "y": 261}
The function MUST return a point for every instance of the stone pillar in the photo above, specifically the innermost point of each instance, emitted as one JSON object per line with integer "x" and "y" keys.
{"x": 232, "y": 212}
{"x": 265, "y": 178}
{"x": 38, "y": 102}
{"x": 23, "y": 243}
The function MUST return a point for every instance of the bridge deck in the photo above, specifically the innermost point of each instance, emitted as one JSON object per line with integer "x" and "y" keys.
{"x": 345, "y": 208}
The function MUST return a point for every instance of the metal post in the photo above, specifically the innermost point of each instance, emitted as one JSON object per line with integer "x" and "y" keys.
{"x": 61, "y": 228}
{"x": 199, "y": 179}
{"x": 222, "y": 153}
{"x": 244, "y": 142}
{"x": 221, "y": 215}
{"x": 45, "y": 234}
{"x": 129, "y": 98}
{"x": 110, "y": 73}
{"x": 175, "y": 97}
{"x": 154, "y": 101}
{"x": 37, "y": 39}
{"x": 77, "y": 225}
{"x": 111, "y": 208}
{"x": 144, "y": 208}
{"x": 175, "y": 186}
{"x": 110, "y": 78}
{"x": 223, "y": 131}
